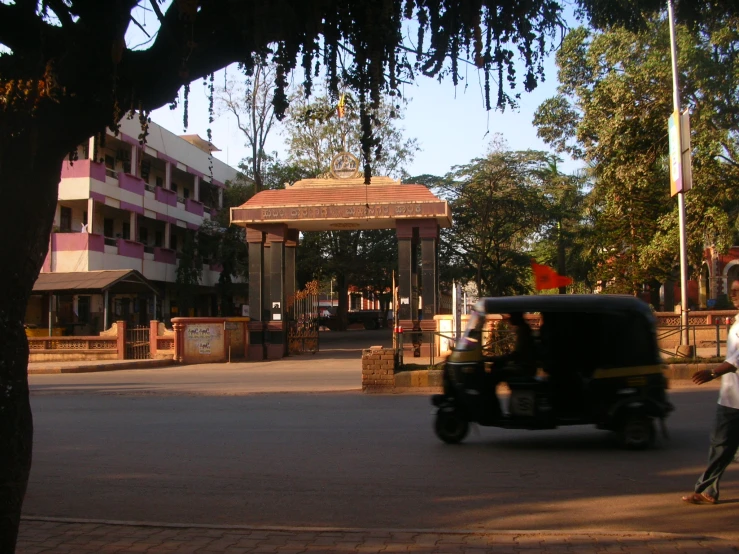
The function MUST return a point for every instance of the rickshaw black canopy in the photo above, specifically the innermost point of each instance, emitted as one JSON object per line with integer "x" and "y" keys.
{"x": 582, "y": 333}
{"x": 594, "y": 303}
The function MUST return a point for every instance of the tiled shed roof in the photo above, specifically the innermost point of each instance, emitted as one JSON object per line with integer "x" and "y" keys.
{"x": 124, "y": 280}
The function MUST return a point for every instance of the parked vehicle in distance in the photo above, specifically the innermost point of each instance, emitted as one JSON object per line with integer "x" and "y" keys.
{"x": 597, "y": 363}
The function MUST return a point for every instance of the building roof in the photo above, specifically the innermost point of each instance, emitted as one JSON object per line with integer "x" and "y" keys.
{"x": 325, "y": 204}
{"x": 125, "y": 281}
{"x": 197, "y": 140}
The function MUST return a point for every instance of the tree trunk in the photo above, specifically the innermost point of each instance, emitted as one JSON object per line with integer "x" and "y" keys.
{"x": 29, "y": 175}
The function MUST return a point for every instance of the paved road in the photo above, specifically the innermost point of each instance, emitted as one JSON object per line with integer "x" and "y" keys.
{"x": 353, "y": 460}
{"x": 214, "y": 459}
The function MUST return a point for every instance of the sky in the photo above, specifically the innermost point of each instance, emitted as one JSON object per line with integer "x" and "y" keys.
{"x": 450, "y": 124}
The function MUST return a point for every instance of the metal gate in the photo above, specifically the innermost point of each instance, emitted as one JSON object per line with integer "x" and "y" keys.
{"x": 137, "y": 343}
{"x": 302, "y": 331}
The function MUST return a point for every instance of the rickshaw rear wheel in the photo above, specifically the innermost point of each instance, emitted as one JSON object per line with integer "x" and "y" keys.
{"x": 637, "y": 432}
{"x": 450, "y": 426}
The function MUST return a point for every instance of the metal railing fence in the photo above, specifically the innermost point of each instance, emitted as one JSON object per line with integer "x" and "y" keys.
{"x": 137, "y": 343}
{"x": 424, "y": 344}
{"x": 708, "y": 337}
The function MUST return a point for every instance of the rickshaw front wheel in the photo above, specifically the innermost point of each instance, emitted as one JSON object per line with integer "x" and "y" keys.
{"x": 450, "y": 426}
{"x": 637, "y": 432}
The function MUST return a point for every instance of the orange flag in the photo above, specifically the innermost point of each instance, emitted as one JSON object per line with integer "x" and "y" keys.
{"x": 546, "y": 278}
{"x": 340, "y": 106}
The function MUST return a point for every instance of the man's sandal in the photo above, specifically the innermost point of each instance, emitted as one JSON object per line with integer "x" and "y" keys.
{"x": 699, "y": 498}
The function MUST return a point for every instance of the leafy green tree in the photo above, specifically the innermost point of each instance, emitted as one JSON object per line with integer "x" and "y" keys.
{"x": 497, "y": 206}
{"x": 189, "y": 275}
{"x": 315, "y": 134}
{"x": 224, "y": 244}
{"x": 276, "y": 173}
{"x": 611, "y": 111}
{"x": 563, "y": 238}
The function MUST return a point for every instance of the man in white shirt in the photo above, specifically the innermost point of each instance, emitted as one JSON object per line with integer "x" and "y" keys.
{"x": 725, "y": 435}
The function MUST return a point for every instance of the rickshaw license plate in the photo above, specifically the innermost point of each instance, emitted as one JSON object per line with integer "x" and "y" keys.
{"x": 523, "y": 403}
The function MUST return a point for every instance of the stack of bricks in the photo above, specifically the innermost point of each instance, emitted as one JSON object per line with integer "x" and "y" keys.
{"x": 378, "y": 368}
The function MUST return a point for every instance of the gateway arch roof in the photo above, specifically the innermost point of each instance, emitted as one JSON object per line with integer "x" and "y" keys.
{"x": 333, "y": 204}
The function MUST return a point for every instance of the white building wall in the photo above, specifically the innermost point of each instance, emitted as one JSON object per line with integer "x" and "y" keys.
{"x": 158, "y": 271}
{"x": 75, "y": 188}
{"x": 164, "y": 141}
{"x": 71, "y": 260}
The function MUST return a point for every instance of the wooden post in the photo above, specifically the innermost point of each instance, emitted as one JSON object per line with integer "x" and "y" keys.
{"x": 179, "y": 339}
{"x": 153, "y": 334}
{"x": 121, "y": 339}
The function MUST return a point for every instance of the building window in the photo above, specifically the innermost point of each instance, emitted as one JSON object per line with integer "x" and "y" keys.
{"x": 126, "y": 230}
{"x": 158, "y": 239}
{"x": 109, "y": 161}
{"x": 173, "y": 242}
{"x": 186, "y": 193}
{"x": 160, "y": 182}
{"x": 145, "y": 169}
{"x": 84, "y": 217}
{"x": 174, "y": 187}
{"x": 65, "y": 219}
{"x": 144, "y": 235}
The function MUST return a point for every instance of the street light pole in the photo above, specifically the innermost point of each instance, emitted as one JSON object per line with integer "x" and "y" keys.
{"x": 684, "y": 336}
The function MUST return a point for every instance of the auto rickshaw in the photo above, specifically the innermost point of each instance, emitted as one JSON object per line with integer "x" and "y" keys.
{"x": 596, "y": 362}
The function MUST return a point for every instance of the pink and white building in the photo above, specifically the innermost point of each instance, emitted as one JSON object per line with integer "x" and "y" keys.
{"x": 124, "y": 206}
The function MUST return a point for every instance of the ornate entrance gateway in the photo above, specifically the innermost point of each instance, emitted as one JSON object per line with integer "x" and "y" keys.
{"x": 274, "y": 219}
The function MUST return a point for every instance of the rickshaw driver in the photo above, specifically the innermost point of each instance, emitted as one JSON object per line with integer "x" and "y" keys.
{"x": 519, "y": 362}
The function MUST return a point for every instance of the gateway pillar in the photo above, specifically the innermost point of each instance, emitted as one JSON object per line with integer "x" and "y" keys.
{"x": 413, "y": 233}
{"x": 291, "y": 245}
{"x": 276, "y": 342}
{"x": 271, "y": 258}
{"x": 255, "y": 242}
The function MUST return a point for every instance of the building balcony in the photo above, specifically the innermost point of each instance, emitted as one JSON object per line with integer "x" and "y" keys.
{"x": 194, "y": 207}
{"x": 75, "y": 242}
{"x": 75, "y": 252}
{"x": 166, "y": 196}
{"x": 130, "y": 249}
{"x": 131, "y": 183}
{"x": 165, "y": 255}
{"x": 86, "y": 169}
